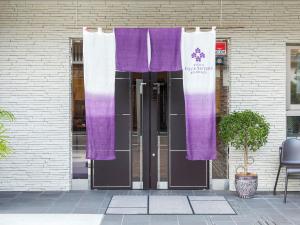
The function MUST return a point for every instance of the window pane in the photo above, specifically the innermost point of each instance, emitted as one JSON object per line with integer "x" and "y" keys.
{"x": 80, "y": 165}
{"x": 293, "y": 126}
{"x": 295, "y": 76}
{"x": 220, "y": 165}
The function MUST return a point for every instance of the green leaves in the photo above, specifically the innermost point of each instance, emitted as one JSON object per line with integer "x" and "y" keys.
{"x": 244, "y": 129}
{"x": 4, "y": 148}
{"x": 6, "y": 115}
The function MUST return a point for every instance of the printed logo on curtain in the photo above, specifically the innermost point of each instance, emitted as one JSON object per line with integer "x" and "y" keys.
{"x": 198, "y": 65}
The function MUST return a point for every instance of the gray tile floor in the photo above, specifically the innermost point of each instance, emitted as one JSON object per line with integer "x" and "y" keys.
{"x": 264, "y": 207}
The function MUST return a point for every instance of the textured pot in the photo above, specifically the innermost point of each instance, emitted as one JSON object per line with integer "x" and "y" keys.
{"x": 245, "y": 185}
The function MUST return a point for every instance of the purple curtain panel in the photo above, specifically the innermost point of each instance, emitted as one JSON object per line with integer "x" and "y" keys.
{"x": 198, "y": 63}
{"x": 131, "y": 49}
{"x": 99, "y": 83}
{"x": 165, "y": 49}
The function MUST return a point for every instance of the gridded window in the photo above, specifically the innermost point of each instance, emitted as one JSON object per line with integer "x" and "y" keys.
{"x": 79, "y": 162}
{"x": 293, "y": 126}
{"x": 293, "y": 91}
{"x": 293, "y": 78}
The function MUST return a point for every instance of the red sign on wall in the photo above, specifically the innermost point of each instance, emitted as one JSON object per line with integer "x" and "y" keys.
{"x": 221, "y": 48}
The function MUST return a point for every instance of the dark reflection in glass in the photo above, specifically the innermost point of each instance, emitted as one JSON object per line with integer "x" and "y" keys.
{"x": 79, "y": 162}
{"x": 293, "y": 126}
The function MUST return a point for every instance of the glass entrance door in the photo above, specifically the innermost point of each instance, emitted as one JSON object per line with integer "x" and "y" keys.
{"x": 158, "y": 135}
{"x": 137, "y": 127}
{"x": 149, "y": 130}
{"x": 160, "y": 127}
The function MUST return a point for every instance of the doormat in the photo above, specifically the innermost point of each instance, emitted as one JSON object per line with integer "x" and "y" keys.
{"x": 169, "y": 205}
{"x": 128, "y": 204}
{"x": 210, "y": 205}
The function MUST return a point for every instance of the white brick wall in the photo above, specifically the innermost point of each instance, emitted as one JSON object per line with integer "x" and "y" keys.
{"x": 35, "y": 73}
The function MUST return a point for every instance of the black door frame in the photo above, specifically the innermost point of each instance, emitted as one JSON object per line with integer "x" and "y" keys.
{"x": 146, "y": 129}
{"x": 189, "y": 174}
{"x": 150, "y": 129}
{"x": 117, "y": 174}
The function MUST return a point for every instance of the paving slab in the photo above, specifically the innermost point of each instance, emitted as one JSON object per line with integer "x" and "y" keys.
{"x": 193, "y": 220}
{"x": 205, "y": 198}
{"x": 112, "y": 220}
{"x": 126, "y": 211}
{"x": 164, "y": 220}
{"x": 136, "y": 220}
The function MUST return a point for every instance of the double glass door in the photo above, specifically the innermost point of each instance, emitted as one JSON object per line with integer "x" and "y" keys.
{"x": 150, "y": 130}
{"x": 150, "y": 137}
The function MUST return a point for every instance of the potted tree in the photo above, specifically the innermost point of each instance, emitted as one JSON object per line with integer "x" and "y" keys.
{"x": 246, "y": 131}
{"x": 4, "y": 147}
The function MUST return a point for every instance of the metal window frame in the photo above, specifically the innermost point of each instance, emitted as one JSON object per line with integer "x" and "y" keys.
{"x": 289, "y": 106}
{"x": 88, "y": 180}
{"x": 292, "y": 110}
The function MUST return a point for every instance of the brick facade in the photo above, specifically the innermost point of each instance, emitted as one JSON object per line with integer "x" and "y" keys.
{"x": 35, "y": 73}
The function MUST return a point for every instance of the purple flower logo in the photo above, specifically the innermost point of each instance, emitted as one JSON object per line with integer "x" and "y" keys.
{"x": 198, "y": 55}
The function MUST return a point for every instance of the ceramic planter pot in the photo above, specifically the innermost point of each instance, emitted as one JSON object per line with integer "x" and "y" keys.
{"x": 246, "y": 185}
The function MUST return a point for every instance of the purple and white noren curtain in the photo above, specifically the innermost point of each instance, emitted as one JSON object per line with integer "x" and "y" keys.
{"x": 165, "y": 49}
{"x": 99, "y": 83}
{"x": 198, "y": 65}
{"x": 132, "y": 49}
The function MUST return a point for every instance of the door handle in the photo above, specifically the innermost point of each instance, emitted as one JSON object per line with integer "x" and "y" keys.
{"x": 141, "y": 87}
{"x": 140, "y": 131}
{"x": 157, "y": 85}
